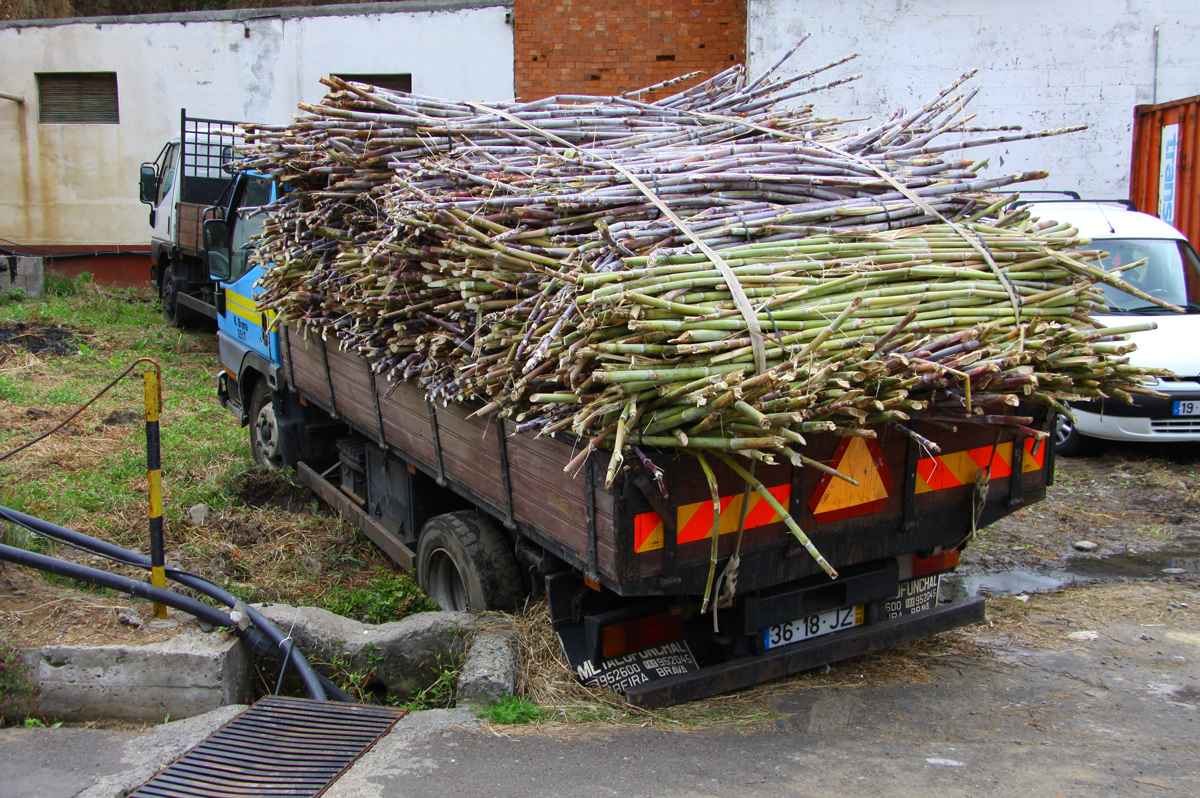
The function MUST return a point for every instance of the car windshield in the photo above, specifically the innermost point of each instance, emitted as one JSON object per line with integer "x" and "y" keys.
{"x": 1171, "y": 273}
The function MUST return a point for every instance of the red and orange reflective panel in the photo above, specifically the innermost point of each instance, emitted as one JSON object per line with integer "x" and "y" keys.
{"x": 835, "y": 499}
{"x": 959, "y": 468}
{"x": 694, "y": 521}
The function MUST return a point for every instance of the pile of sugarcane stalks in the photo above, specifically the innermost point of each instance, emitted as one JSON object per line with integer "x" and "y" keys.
{"x": 714, "y": 271}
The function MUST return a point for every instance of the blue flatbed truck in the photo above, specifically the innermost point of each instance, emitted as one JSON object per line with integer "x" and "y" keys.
{"x": 487, "y": 518}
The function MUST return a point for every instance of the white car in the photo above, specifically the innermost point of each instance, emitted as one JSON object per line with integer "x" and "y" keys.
{"x": 1172, "y": 274}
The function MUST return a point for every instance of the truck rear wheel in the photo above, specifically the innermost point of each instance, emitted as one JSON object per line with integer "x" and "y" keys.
{"x": 264, "y": 428}
{"x": 465, "y": 563}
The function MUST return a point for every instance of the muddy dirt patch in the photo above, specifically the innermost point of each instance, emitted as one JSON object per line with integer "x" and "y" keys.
{"x": 37, "y": 612}
{"x": 1129, "y": 500}
{"x": 38, "y": 339}
{"x": 274, "y": 491}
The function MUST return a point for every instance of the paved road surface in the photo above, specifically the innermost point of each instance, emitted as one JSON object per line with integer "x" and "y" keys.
{"x": 1115, "y": 716}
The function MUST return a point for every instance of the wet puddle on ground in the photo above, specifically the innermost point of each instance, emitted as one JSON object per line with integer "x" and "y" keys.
{"x": 1182, "y": 557}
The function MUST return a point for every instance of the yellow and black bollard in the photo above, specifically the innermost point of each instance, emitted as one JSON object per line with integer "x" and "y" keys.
{"x": 153, "y": 390}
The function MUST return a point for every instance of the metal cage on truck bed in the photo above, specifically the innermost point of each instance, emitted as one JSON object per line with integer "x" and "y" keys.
{"x": 641, "y": 548}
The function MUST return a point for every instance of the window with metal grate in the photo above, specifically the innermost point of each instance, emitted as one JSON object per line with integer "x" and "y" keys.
{"x": 396, "y": 82}
{"x": 77, "y": 98}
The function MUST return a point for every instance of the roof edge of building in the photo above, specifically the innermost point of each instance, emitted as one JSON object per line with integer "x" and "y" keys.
{"x": 282, "y": 12}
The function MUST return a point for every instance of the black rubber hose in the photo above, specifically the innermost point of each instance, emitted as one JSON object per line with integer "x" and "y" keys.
{"x": 48, "y": 255}
{"x": 124, "y": 584}
{"x": 313, "y": 681}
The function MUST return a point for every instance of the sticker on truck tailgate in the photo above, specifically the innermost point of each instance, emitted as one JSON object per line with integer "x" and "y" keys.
{"x": 916, "y": 595}
{"x": 638, "y": 667}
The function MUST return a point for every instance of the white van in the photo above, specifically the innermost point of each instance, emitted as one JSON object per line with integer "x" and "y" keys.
{"x": 1172, "y": 274}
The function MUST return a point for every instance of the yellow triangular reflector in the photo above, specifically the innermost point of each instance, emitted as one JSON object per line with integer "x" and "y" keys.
{"x": 858, "y": 463}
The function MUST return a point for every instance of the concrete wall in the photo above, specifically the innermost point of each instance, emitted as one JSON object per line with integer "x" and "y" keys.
{"x": 77, "y": 183}
{"x": 1042, "y": 65}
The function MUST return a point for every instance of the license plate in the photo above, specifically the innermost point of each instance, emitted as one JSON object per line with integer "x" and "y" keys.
{"x": 1191, "y": 407}
{"x": 813, "y": 626}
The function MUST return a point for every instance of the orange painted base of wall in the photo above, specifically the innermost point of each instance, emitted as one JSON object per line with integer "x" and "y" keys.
{"x": 130, "y": 269}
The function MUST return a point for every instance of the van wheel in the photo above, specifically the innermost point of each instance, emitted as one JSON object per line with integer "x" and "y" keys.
{"x": 465, "y": 563}
{"x": 1068, "y": 440}
{"x": 264, "y": 429}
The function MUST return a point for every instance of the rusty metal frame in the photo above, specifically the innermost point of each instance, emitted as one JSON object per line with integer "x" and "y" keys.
{"x": 502, "y": 445}
{"x": 378, "y": 413}
{"x": 593, "y": 554}
{"x": 437, "y": 443}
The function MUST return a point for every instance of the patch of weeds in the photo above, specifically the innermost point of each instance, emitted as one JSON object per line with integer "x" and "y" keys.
{"x": 10, "y": 389}
{"x": 390, "y": 597}
{"x": 511, "y": 710}
{"x": 361, "y": 685}
{"x": 12, "y": 295}
{"x": 59, "y": 285}
{"x": 442, "y": 692}
{"x": 40, "y": 723}
{"x": 21, "y": 538}
{"x": 15, "y": 683}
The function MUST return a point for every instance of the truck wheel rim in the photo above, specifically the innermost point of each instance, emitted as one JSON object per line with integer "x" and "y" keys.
{"x": 446, "y": 585}
{"x": 268, "y": 439}
{"x": 1062, "y": 429}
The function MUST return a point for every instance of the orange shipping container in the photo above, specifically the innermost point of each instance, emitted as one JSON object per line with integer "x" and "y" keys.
{"x": 1166, "y": 148}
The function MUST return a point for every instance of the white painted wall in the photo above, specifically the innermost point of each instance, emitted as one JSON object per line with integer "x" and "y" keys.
{"x": 77, "y": 184}
{"x": 1043, "y": 65}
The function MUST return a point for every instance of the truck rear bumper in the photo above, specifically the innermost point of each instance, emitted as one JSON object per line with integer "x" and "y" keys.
{"x": 800, "y": 657}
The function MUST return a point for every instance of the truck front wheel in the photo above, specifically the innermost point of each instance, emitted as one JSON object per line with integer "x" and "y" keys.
{"x": 465, "y": 563}
{"x": 264, "y": 428}
{"x": 175, "y": 314}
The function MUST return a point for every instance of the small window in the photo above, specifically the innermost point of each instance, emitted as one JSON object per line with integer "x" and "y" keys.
{"x": 77, "y": 98}
{"x": 395, "y": 82}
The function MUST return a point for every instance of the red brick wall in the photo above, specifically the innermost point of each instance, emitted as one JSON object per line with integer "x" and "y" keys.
{"x": 609, "y": 47}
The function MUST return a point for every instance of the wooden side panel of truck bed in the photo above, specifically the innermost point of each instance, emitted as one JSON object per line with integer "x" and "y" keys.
{"x": 548, "y": 503}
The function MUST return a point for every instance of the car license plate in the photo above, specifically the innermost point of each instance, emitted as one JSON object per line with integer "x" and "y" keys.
{"x": 813, "y": 626}
{"x": 1190, "y": 407}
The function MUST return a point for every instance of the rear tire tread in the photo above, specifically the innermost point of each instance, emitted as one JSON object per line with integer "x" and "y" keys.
{"x": 483, "y": 556}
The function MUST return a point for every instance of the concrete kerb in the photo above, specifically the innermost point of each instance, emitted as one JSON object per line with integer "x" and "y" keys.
{"x": 407, "y": 656}
{"x": 188, "y": 675}
{"x": 490, "y": 670}
{"x": 195, "y": 673}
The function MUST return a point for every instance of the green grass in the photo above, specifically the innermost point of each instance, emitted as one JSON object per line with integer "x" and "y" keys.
{"x": 511, "y": 710}
{"x": 389, "y": 597}
{"x": 92, "y": 475}
{"x": 265, "y": 532}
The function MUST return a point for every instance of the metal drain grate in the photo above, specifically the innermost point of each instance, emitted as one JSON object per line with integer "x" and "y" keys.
{"x": 280, "y": 746}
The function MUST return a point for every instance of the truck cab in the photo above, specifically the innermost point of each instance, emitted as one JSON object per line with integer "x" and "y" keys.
{"x": 184, "y": 186}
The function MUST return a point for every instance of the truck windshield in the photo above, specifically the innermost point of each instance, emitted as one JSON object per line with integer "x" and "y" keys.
{"x": 1171, "y": 273}
{"x": 251, "y": 215}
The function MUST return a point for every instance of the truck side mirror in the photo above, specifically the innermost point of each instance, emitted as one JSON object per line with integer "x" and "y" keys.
{"x": 148, "y": 184}
{"x": 216, "y": 249}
